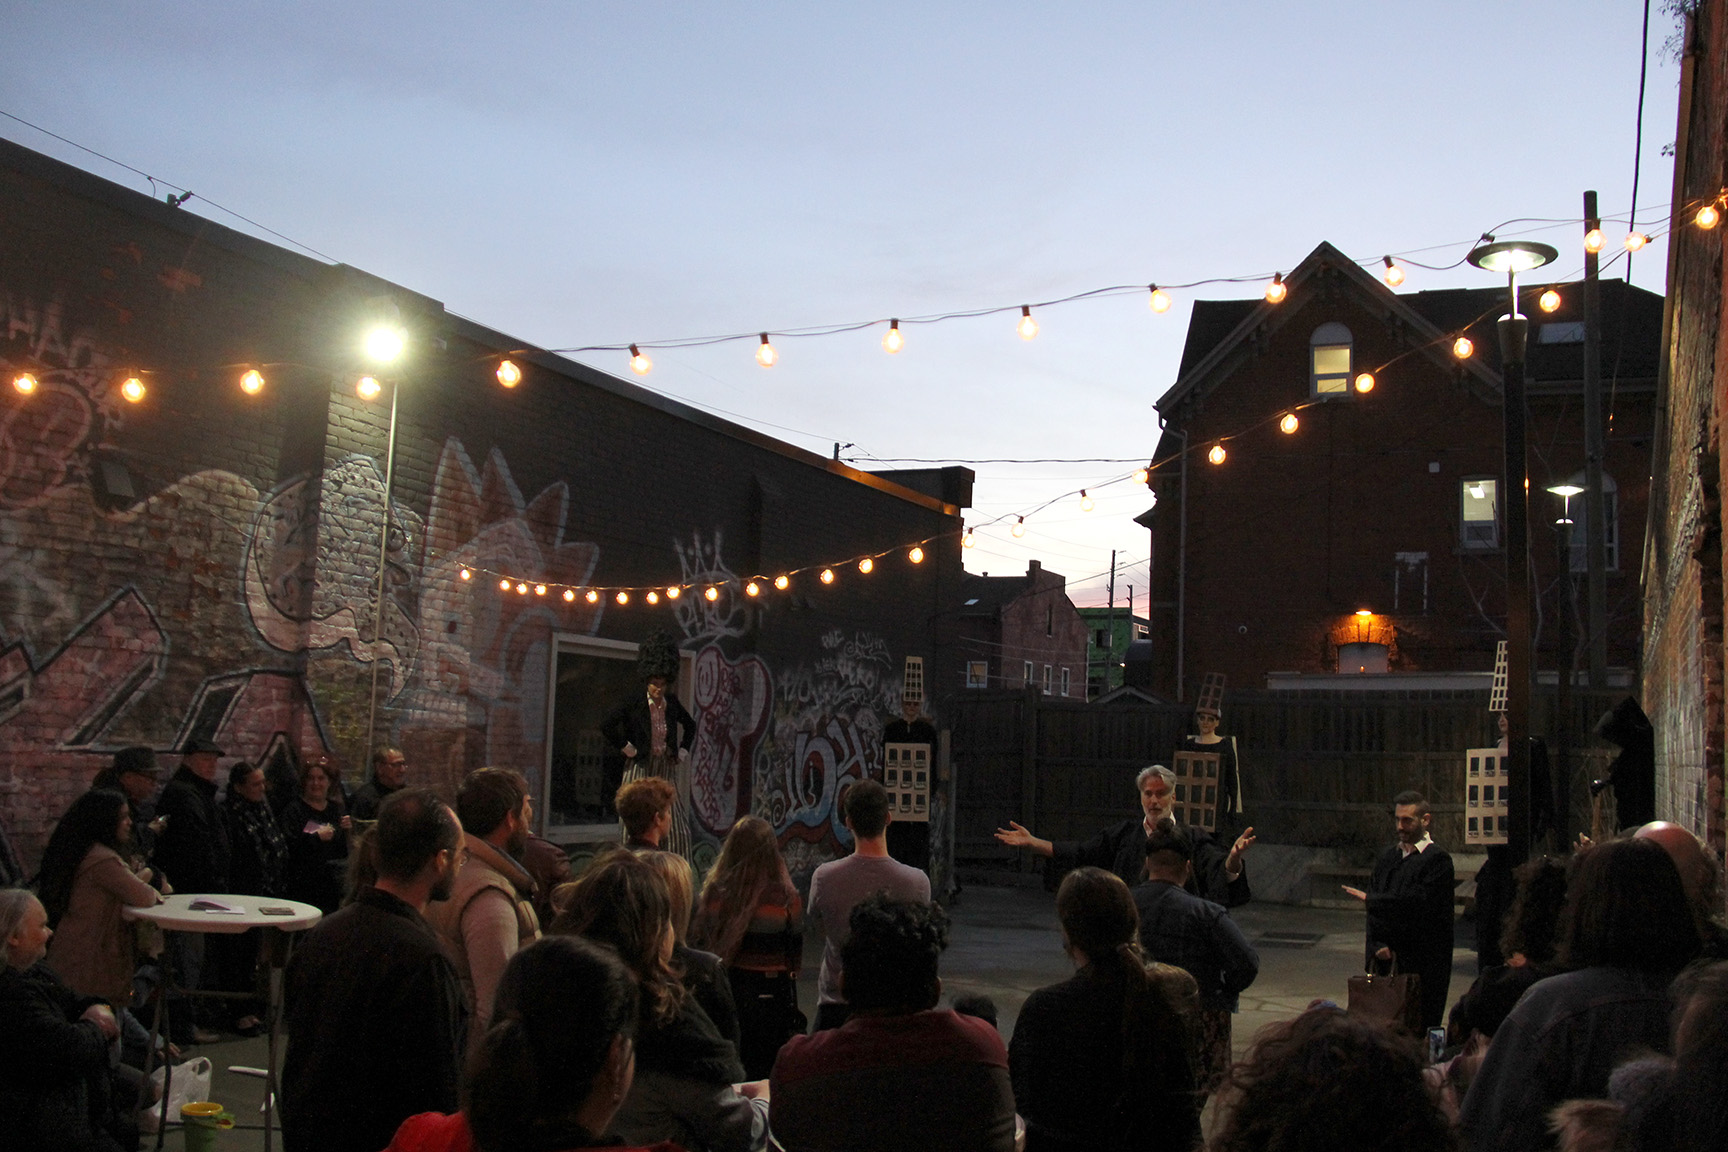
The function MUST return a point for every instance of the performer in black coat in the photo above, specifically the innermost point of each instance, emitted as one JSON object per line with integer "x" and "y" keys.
{"x": 1219, "y": 872}
{"x": 1410, "y": 906}
{"x": 655, "y": 733}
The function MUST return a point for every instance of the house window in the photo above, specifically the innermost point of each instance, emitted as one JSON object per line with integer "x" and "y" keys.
{"x": 1479, "y": 508}
{"x": 1329, "y": 360}
{"x": 1363, "y": 659}
{"x": 1610, "y": 525}
{"x": 1049, "y": 619}
{"x": 1026, "y": 675}
{"x": 1101, "y": 639}
{"x": 977, "y": 674}
{"x": 1064, "y": 680}
{"x": 1046, "y": 679}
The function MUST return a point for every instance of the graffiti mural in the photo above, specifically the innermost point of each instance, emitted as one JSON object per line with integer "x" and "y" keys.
{"x": 731, "y": 704}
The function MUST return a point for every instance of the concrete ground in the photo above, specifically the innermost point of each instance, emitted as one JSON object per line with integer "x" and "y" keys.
{"x": 1004, "y": 944}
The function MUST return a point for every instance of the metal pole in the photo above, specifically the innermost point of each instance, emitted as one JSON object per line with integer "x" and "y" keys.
{"x": 1595, "y": 504}
{"x": 383, "y": 556}
{"x": 1182, "y": 570}
{"x": 1110, "y": 626}
{"x": 1514, "y": 331}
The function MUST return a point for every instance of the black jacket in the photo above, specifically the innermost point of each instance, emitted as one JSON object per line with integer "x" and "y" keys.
{"x": 193, "y": 849}
{"x": 376, "y": 1021}
{"x": 54, "y": 1079}
{"x": 629, "y": 724}
{"x": 368, "y": 798}
{"x": 1121, "y": 848}
{"x": 1410, "y": 912}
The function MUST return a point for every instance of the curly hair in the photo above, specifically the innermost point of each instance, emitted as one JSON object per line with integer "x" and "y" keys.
{"x": 1326, "y": 1080}
{"x": 622, "y": 902}
{"x": 639, "y": 801}
{"x": 889, "y": 962}
{"x": 1533, "y": 921}
{"x": 749, "y": 873}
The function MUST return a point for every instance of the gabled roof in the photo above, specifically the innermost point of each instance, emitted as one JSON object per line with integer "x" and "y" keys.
{"x": 988, "y": 595}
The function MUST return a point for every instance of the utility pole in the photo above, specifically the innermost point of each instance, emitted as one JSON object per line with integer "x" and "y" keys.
{"x": 1110, "y": 626}
{"x": 1595, "y": 511}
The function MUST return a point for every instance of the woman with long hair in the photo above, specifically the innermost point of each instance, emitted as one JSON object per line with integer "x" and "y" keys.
{"x": 1100, "y": 1061}
{"x": 316, "y": 828}
{"x": 704, "y": 973}
{"x": 685, "y": 1069}
{"x": 84, "y": 883}
{"x": 555, "y": 1064}
{"x": 751, "y": 916}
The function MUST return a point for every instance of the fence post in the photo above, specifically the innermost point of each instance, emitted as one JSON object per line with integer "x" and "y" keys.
{"x": 1029, "y": 771}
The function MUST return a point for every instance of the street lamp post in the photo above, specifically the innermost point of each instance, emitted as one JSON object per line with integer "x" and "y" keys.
{"x": 1513, "y": 257}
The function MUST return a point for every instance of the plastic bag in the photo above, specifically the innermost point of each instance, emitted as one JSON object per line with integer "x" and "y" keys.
{"x": 191, "y": 1085}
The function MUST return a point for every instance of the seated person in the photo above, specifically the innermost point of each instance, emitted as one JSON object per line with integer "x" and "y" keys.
{"x": 899, "y": 1074}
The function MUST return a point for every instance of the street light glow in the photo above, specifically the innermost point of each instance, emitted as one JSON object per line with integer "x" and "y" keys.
{"x": 384, "y": 343}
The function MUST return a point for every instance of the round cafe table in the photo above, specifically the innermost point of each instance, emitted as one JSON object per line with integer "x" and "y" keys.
{"x": 229, "y": 915}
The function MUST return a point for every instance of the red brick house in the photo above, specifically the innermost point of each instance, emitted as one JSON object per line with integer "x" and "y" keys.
{"x": 1335, "y": 530}
{"x": 1022, "y": 631}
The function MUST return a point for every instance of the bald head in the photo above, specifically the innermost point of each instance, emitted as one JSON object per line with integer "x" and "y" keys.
{"x": 1688, "y": 855}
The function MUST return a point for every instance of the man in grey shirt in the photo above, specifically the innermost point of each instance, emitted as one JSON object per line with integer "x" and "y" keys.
{"x": 840, "y": 884}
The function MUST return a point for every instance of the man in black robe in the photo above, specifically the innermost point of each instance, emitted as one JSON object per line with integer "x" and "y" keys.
{"x": 1410, "y": 906}
{"x": 1219, "y": 873}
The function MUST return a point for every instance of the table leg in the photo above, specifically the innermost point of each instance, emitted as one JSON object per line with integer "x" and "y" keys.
{"x": 158, "y": 1029}
{"x": 276, "y": 949}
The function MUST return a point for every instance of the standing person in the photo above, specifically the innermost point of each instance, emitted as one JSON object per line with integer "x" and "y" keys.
{"x": 135, "y": 774}
{"x": 837, "y": 886}
{"x": 1100, "y": 1061}
{"x": 655, "y": 733}
{"x": 85, "y": 883}
{"x": 752, "y": 918}
{"x": 704, "y": 973}
{"x": 259, "y": 868}
{"x": 909, "y": 840}
{"x": 389, "y": 776}
{"x": 375, "y": 1012}
{"x": 316, "y": 829}
{"x": 1198, "y": 936}
{"x": 551, "y": 1073}
{"x": 1206, "y": 739}
{"x": 192, "y": 852}
{"x": 489, "y": 915}
{"x": 1220, "y": 875}
{"x": 550, "y": 866}
{"x": 1409, "y": 902}
{"x": 644, "y": 807}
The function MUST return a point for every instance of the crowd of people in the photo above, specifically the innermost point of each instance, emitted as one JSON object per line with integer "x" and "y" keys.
{"x": 464, "y": 992}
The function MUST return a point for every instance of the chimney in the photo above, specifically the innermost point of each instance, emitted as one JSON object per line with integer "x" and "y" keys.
{"x": 1033, "y": 569}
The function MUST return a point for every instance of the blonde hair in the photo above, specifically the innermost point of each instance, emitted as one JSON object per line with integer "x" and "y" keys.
{"x": 680, "y": 886}
{"x": 14, "y": 903}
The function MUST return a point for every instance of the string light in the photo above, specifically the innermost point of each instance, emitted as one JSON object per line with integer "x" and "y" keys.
{"x": 1463, "y": 347}
{"x": 827, "y": 576}
{"x": 969, "y": 540}
{"x": 1708, "y": 217}
{"x": 1086, "y": 502}
{"x": 1594, "y": 241}
{"x": 673, "y": 592}
{"x": 1160, "y": 299}
{"x": 866, "y": 565}
{"x": 1019, "y": 528}
{"x": 1289, "y": 423}
{"x": 893, "y": 341}
{"x": 1217, "y": 454}
{"x": 752, "y": 589}
{"x": 592, "y": 597}
{"x": 503, "y": 585}
{"x": 539, "y": 589}
{"x": 623, "y": 597}
{"x": 508, "y": 374}
{"x": 639, "y": 362}
{"x": 252, "y": 382}
{"x": 521, "y": 589}
{"x": 133, "y": 389}
{"x": 782, "y": 582}
{"x": 1549, "y": 301}
{"x": 24, "y": 382}
{"x": 465, "y": 574}
{"x": 916, "y": 555}
{"x": 1027, "y": 327}
{"x": 1365, "y": 383}
{"x": 711, "y": 594}
{"x": 1277, "y": 290}
{"x": 1394, "y": 274}
{"x": 368, "y": 387}
{"x": 1141, "y": 475}
{"x": 653, "y": 597}
{"x": 1635, "y": 241}
{"x": 765, "y": 354}
{"x": 569, "y": 595}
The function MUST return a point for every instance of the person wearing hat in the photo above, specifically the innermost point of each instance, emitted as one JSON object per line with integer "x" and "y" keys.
{"x": 655, "y": 733}
{"x": 1206, "y": 719}
{"x": 193, "y": 851}
{"x": 135, "y": 775}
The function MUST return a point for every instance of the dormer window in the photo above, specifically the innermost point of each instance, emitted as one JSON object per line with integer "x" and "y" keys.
{"x": 1329, "y": 360}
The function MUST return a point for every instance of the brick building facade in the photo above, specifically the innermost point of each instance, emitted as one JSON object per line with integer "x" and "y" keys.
{"x": 1367, "y": 538}
{"x": 1683, "y": 602}
{"x": 1022, "y": 632}
{"x": 205, "y": 561}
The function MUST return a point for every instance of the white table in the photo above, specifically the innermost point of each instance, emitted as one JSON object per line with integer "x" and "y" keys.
{"x": 176, "y": 914}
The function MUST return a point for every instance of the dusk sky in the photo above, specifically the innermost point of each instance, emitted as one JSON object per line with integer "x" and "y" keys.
{"x": 597, "y": 173}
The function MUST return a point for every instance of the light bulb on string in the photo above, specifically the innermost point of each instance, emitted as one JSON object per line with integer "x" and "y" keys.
{"x": 916, "y": 555}
{"x": 1142, "y": 475}
{"x": 1289, "y": 424}
{"x": 569, "y": 595}
{"x": 1365, "y": 382}
{"x": 711, "y": 594}
{"x": 623, "y": 597}
{"x": 25, "y": 383}
{"x": 593, "y": 597}
{"x": 465, "y": 575}
{"x": 1217, "y": 454}
{"x": 368, "y": 387}
{"x": 1463, "y": 347}
{"x": 1086, "y": 502}
{"x": 503, "y": 585}
{"x": 1277, "y": 290}
{"x": 752, "y": 589}
{"x": 252, "y": 382}
{"x": 132, "y": 389}
{"x": 1635, "y": 241}
{"x": 639, "y": 362}
{"x": 673, "y": 592}
{"x": 653, "y": 597}
{"x": 1027, "y": 327}
{"x": 969, "y": 540}
{"x": 892, "y": 342}
{"x": 508, "y": 374}
{"x": 1708, "y": 217}
{"x": 827, "y": 576}
{"x": 1549, "y": 301}
{"x": 1019, "y": 528}
{"x": 521, "y": 589}
{"x": 539, "y": 589}
{"x": 867, "y": 565}
{"x": 765, "y": 354}
{"x": 1160, "y": 301}
{"x": 1594, "y": 241}
{"x": 1394, "y": 274}
{"x": 782, "y": 582}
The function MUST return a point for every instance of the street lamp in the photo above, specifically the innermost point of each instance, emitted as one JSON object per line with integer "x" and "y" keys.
{"x": 1513, "y": 257}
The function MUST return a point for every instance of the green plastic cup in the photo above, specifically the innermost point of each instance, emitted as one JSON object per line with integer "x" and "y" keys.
{"x": 199, "y": 1123}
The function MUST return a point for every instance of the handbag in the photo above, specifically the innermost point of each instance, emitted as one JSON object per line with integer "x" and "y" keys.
{"x": 1394, "y": 1001}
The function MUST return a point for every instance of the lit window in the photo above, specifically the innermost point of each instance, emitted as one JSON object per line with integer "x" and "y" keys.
{"x": 1329, "y": 360}
{"x": 1479, "y": 508}
{"x": 977, "y": 674}
{"x": 1064, "y": 680}
{"x": 1610, "y": 524}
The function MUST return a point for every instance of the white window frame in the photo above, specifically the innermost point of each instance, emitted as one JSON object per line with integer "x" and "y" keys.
{"x": 977, "y": 673}
{"x": 1065, "y": 680}
{"x": 1047, "y": 680}
{"x": 1027, "y": 675}
{"x": 1471, "y": 534}
{"x": 1330, "y": 337}
{"x": 1580, "y": 559}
